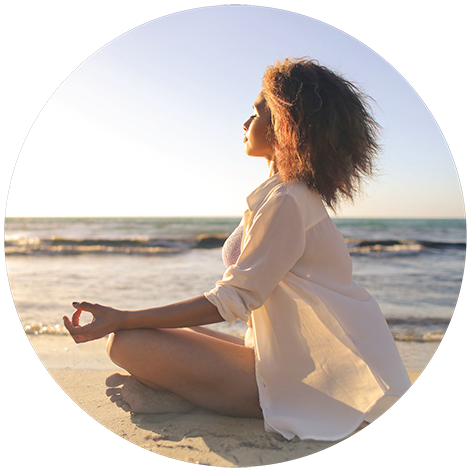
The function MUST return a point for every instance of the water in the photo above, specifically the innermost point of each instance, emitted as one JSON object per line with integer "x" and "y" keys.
{"x": 412, "y": 267}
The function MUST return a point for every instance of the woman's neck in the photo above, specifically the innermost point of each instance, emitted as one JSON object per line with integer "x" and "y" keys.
{"x": 272, "y": 167}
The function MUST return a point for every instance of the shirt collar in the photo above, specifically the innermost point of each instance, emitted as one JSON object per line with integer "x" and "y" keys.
{"x": 257, "y": 196}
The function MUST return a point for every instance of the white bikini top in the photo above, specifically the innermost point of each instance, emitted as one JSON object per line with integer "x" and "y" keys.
{"x": 232, "y": 247}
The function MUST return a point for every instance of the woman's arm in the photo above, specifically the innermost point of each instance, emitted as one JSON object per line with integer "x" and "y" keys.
{"x": 193, "y": 312}
{"x": 274, "y": 242}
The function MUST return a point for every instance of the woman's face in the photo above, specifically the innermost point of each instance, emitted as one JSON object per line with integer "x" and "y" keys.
{"x": 256, "y": 131}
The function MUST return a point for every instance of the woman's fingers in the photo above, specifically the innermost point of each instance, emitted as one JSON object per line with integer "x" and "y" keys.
{"x": 102, "y": 322}
{"x": 84, "y": 306}
{"x": 78, "y": 333}
{"x": 71, "y": 328}
{"x": 74, "y": 329}
{"x": 76, "y": 317}
{"x": 67, "y": 324}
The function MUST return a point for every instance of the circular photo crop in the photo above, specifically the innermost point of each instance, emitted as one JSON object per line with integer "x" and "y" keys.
{"x": 235, "y": 236}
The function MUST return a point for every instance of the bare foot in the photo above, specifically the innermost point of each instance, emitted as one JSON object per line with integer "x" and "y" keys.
{"x": 132, "y": 395}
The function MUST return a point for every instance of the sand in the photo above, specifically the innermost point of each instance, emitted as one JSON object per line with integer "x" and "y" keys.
{"x": 199, "y": 437}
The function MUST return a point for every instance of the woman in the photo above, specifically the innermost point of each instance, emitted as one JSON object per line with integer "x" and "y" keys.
{"x": 318, "y": 357}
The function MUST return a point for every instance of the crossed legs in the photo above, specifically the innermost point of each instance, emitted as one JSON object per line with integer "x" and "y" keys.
{"x": 179, "y": 369}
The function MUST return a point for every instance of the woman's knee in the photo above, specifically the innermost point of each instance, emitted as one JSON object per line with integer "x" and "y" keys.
{"x": 113, "y": 346}
{"x": 110, "y": 344}
{"x": 122, "y": 344}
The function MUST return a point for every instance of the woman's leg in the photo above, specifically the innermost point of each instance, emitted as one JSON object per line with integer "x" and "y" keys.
{"x": 204, "y": 370}
{"x": 217, "y": 334}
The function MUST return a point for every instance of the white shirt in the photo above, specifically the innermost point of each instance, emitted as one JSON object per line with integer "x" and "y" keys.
{"x": 325, "y": 357}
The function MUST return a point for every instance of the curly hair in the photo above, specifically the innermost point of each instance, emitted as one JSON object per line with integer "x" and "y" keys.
{"x": 323, "y": 131}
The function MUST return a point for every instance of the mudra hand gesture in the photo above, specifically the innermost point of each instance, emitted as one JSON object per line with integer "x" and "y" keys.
{"x": 105, "y": 320}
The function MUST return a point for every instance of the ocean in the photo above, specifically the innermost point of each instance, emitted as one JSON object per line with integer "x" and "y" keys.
{"x": 413, "y": 267}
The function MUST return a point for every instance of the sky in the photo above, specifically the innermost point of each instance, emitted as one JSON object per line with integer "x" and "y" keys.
{"x": 151, "y": 124}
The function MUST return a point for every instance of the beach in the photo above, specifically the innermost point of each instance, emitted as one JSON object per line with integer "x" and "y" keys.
{"x": 199, "y": 437}
{"x": 412, "y": 267}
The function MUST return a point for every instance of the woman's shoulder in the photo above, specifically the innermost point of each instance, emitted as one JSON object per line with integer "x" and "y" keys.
{"x": 307, "y": 200}
{"x": 298, "y": 191}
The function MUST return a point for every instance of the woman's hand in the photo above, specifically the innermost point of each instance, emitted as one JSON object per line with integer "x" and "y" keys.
{"x": 194, "y": 312}
{"x": 105, "y": 320}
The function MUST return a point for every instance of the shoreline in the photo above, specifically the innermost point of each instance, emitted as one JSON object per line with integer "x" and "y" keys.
{"x": 61, "y": 352}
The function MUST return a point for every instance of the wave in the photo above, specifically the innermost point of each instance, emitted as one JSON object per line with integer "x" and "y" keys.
{"x": 428, "y": 322}
{"x": 399, "y": 247}
{"x": 403, "y": 329}
{"x": 163, "y": 246}
{"x": 139, "y": 246}
{"x": 39, "y": 328}
{"x": 418, "y": 329}
{"x": 418, "y": 338}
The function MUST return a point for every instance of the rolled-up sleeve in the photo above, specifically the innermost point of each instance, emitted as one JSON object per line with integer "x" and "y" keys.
{"x": 274, "y": 242}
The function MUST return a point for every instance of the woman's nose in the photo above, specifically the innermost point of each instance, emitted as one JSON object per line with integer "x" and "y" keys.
{"x": 246, "y": 124}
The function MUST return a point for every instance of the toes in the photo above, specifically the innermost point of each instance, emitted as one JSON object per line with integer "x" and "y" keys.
{"x": 119, "y": 402}
{"x": 115, "y": 380}
{"x": 124, "y": 406}
{"x": 112, "y": 391}
{"x": 116, "y": 398}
